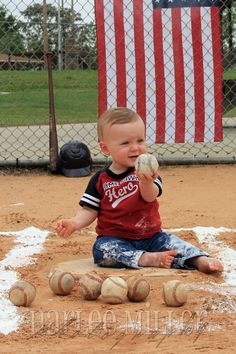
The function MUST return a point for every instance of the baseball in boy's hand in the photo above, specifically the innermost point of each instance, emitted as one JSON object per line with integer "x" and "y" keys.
{"x": 146, "y": 164}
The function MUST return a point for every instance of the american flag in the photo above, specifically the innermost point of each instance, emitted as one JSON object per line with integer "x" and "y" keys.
{"x": 162, "y": 58}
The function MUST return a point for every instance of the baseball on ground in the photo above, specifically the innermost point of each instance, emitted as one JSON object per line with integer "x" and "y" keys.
{"x": 175, "y": 293}
{"x": 90, "y": 285}
{"x": 138, "y": 288}
{"x": 114, "y": 290}
{"x": 146, "y": 164}
{"x": 22, "y": 293}
{"x": 61, "y": 283}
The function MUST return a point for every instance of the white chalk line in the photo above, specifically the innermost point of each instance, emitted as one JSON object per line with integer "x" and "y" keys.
{"x": 28, "y": 242}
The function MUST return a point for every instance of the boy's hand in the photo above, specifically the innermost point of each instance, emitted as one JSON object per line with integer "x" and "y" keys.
{"x": 65, "y": 227}
{"x": 146, "y": 177}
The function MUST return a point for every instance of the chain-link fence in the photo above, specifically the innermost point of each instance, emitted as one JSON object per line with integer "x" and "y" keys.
{"x": 31, "y": 28}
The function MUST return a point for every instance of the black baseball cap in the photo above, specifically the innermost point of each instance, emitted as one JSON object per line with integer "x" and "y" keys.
{"x": 75, "y": 159}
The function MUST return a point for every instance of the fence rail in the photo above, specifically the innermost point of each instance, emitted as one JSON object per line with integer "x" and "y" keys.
{"x": 30, "y": 29}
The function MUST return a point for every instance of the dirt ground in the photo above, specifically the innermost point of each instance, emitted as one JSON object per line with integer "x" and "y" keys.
{"x": 192, "y": 196}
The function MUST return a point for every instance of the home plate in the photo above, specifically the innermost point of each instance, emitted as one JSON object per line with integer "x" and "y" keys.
{"x": 82, "y": 266}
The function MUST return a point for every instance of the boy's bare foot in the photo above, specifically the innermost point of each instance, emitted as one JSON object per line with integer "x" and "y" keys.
{"x": 157, "y": 259}
{"x": 207, "y": 264}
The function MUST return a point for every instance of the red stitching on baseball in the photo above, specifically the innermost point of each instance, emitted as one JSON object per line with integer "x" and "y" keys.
{"x": 95, "y": 277}
{"x": 87, "y": 291}
{"x": 118, "y": 284}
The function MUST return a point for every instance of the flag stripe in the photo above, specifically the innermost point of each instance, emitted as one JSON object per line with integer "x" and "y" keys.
{"x": 179, "y": 75}
{"x": 188, "y": 74}
{"x": 150, "y": 73}
{"x": 198, "y": 74}
{"x": 139, "y": 59}
{"x": 110, "y": 50}
{"x": 169, "y": 76}
{"x": 209, "y": 104}
{"x": 102, "y": 82}
{"x": 130, "y": 56}
{"x": 217, "y": 63}
{"x": 120, "y": 53}
{"x": 160, "y": 76}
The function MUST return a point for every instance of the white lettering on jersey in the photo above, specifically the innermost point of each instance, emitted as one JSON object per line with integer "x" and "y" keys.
{"x": 116, "y": 196}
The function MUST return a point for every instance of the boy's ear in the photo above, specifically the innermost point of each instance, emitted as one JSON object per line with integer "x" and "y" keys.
{"x": 104, "y": 148}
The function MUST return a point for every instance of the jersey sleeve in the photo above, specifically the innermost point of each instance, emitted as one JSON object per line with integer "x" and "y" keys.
{"x": 158, "y": 182}
{"x": 91, "y": 197}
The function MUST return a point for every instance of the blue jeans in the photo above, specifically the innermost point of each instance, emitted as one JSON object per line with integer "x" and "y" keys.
{"x": 109, "y": 251}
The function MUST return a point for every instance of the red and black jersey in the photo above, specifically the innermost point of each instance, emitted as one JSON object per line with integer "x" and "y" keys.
{"x": 122, "y": 212}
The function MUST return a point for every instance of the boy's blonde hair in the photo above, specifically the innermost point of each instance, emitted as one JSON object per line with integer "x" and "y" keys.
{"x": 118, "y": 115}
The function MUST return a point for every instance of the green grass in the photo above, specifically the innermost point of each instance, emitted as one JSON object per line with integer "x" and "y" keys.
{"x": 229, "y": 75}
{"x": 231, "y": 113}
{"x": 27, "y": 101}
{"x": 75, "y": 95}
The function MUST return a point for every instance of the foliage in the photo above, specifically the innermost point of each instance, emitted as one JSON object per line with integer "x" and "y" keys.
{"x": 227, "y": 27}
{"x": 77, "y": 38}
{"x": 33, "y": 27}
{"x": 11, "y": 41}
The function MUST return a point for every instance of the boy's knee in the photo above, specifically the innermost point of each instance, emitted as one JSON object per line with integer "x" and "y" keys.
{"x": 105, "y": 252}
{"x": 100, "y": 246}
{"x": 106, "y": 245}
{"x": 99, "y": 250}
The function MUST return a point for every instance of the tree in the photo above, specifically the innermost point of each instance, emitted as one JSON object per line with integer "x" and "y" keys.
{"x": 78, "y": 39}
{"x": 11, "y": 41}
{"x": 228, "y": 24}
{"x": 33, "y": 27}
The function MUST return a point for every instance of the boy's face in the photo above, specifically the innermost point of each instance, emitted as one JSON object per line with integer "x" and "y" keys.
{"x": 124, "y": 142}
